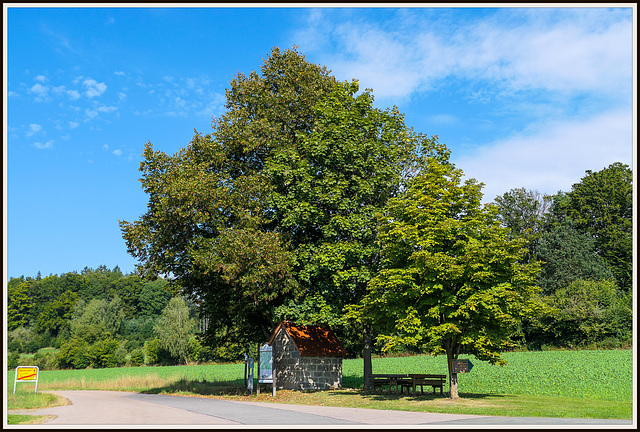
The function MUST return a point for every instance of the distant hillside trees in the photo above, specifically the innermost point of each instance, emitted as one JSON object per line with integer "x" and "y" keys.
{"x": 97, "y": 318}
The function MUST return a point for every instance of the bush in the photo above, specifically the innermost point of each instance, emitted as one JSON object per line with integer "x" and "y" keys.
{"x": 13, "y": 360}
{"x": 31, "y": 347}
{"x": 14, "y": 346}
{"x": 585, "y": 314}
{"x": 158, "y": 355}
{"x": 131, "y": 345}
{"x": 194, "y": 349}
{"x": 104, "y": 354}
{"x": 23, "y": 340}
{"x": 73, "y": 354}
{"x": 45, "y": 361}
{"x": 137, "y": 357}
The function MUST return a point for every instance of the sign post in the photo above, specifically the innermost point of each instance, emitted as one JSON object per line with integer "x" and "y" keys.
{"x": 461, "y": 366}
{"x": 26, "y": 374}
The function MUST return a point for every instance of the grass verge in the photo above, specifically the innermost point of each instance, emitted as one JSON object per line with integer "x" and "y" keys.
{"x": 26, "y": 400}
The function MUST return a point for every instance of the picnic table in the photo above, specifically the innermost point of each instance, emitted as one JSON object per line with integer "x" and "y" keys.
{"x": 409, "y": 381}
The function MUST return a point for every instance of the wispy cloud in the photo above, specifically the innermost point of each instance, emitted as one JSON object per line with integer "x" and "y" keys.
{"x": 554, "y": 157}
{"x": 73, "y": 94}
{"x": 92, "y": 113}
{"x": 33, "y": 129}
{"x": 93, "y": 88}
{"x": 572, "y": 51}
{"x": 61, "y": 42}
{"x": 44, "y": 146}
{"x": 41, "y": 92}
{"x": 560, "y": 79}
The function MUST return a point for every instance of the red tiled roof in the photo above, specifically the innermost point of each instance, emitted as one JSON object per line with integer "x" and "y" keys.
{"x": 312, "y": 340}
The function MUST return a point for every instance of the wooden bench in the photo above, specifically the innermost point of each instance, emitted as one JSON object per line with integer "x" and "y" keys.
{"x": 390, "y": 380}
{"x": 408, "y": 381}
{"x": 420, "y": 380}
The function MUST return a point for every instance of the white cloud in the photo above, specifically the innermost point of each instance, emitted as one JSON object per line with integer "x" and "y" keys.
{"x": 553, "y": 158}
{"x": 117, "y": 152}
{"x": 93, "y": 113}
{"x": 569, "y": 51}
{"x": 73, "y": 125}
{"x": 41, "y": 78}
{"x": 105, "y": 147}
{"x": 73, "y": 94}
{"x": 119, "y": 73}
{"x": 58, "y": 90}
{"x": 47, "y": 145}
{"x": 106, "y": 109}
{"x": 33, "y": 129}
{"x": 122, "y": 96}
{"x": 41, "y": 92}
{"x": 93, "y": 87}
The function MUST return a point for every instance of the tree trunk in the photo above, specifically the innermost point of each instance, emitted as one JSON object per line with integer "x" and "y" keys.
{"x": 366, "y": 356}
{"x": 453, "y": 377}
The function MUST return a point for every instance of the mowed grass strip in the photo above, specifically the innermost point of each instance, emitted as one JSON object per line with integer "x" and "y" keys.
{"x": 472, "y": 404}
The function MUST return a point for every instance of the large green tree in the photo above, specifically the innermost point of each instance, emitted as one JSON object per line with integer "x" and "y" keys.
{"x": 215, "y": 191}
{"x": 601, "y": 205}
{"x": 452, "y": 280}
{"x": 278, "y": 203}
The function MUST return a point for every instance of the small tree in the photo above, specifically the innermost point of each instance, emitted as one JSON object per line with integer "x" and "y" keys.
{"x": 452, "y": 280}
{"x": 174, "y": 329}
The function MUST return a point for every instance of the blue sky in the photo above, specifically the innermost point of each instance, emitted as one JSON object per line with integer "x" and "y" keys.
{"x": 523, "y": 97}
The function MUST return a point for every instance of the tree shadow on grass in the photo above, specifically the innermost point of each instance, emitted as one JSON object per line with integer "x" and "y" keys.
{"x": 202, "y": 387}
{"x": 353, "y": 385}
{"x": 386, "y": 395}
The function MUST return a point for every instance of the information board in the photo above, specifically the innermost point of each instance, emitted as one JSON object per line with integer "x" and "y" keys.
{"x": 266, "y": 365}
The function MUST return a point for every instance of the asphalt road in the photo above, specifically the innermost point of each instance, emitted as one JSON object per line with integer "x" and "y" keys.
{"x": 109, "y": 408}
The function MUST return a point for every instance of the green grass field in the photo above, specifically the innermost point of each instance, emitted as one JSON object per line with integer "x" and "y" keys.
{"x": 596, "y": 384}
{"x": 598, "y": 375}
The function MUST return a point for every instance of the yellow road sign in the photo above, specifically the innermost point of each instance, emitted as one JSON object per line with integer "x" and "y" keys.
{"x": 27, "y": 373}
